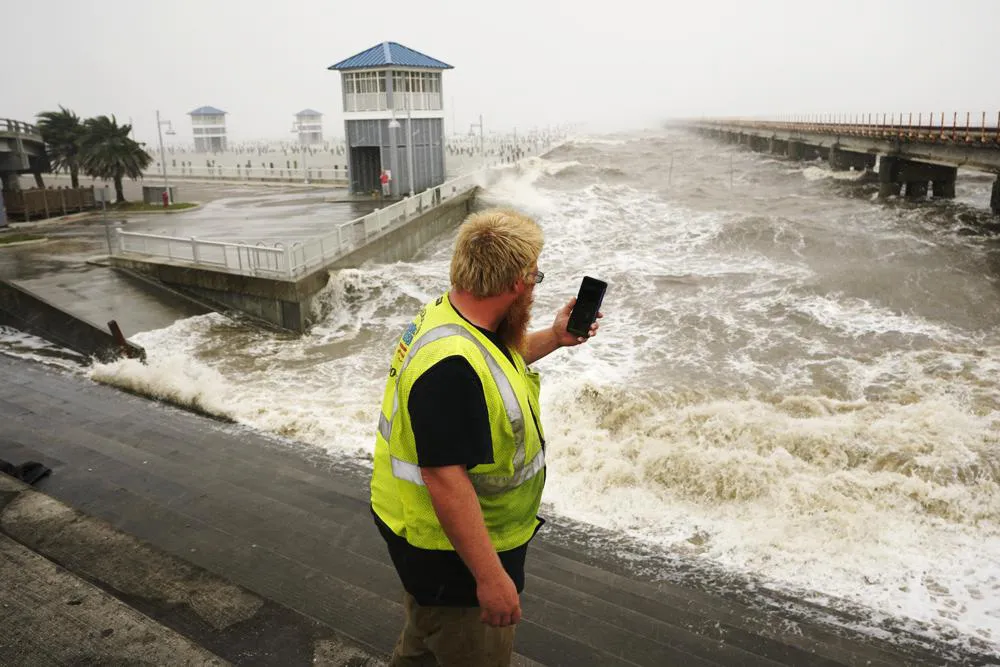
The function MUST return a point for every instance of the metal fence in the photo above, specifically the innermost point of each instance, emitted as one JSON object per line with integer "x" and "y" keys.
{"x": 289, "y": 262}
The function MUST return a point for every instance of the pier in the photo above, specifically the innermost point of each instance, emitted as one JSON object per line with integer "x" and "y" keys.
{"x": 917, "y": 154}
{"x": 277, "y": 283}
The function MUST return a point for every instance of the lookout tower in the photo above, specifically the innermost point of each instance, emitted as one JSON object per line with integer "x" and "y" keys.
{"x": 208, "y": 125}
{"x": 393, "y": 118}
{"x": 309, "y": 125}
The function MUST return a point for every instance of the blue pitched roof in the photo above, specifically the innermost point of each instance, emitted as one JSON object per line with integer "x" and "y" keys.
{"x": 308, "y": 112}
{"x": 207, "y": 111}
{"x": 390, "y": 53}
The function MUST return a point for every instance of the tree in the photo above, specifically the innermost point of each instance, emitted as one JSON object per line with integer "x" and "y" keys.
{"x": 109, "y": 153}
{"x": 62, "y": 132}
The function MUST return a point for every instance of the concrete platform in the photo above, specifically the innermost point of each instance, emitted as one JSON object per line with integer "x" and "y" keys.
{"x": 277, "y": 523}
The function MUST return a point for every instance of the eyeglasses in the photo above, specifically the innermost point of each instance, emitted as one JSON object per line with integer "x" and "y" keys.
{"x": 537, "y": 275}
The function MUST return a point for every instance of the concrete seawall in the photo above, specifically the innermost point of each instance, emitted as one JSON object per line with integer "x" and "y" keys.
{"x": 28, "y": 312}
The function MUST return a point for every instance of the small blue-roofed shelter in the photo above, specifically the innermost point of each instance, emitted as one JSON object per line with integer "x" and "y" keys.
{"x": 393, "y": 118}
{"x": 208, "y": 125}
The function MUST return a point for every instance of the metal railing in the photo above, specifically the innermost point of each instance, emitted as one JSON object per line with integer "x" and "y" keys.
{"x": 417, "y": 101}
{"x": 10, "y": 126}
{"x": 289, "y": 262}
{"x": 365, "y": 102}
{"x": 937, "y": 128}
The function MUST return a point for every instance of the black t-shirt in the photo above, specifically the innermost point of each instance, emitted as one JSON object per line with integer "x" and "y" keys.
{"x": 451, "y": 426}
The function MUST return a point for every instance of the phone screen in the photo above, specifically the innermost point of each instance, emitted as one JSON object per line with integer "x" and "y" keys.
{"x": 588, "y": 303}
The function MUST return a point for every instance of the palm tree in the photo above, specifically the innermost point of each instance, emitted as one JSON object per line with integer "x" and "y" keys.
{"x": 110, "y": 153}
{"x": 62, "y": 132}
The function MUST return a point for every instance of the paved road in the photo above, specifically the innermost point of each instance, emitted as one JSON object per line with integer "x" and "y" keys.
{"x": 291, "y": 525}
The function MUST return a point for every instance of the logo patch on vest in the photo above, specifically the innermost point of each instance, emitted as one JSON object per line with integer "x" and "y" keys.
{"x": 404, "y": 343}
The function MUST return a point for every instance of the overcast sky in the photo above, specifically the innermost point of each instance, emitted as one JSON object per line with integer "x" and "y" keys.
{"x": 613, "y": 64}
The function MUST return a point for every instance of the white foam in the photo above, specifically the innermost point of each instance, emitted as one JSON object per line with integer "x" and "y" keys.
{"x": 814, "y": 173}
{"x": 858, "y": 500}
{"x": 16, "y": 343}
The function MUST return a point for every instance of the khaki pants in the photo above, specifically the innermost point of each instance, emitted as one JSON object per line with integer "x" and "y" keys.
{"x": 450, "y": 637}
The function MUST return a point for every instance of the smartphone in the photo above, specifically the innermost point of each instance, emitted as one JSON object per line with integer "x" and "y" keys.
{"x": 588, "y": 304}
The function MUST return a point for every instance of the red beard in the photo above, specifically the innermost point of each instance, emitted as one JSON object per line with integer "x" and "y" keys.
{"x": 513, "y": 329}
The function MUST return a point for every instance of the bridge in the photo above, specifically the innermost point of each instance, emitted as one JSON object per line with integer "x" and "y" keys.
{"x": 916, "y": 153}
{"x": 22, "y": 151}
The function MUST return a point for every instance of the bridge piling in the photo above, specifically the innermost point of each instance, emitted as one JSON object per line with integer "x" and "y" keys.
{"x": 916, "y": 176}
{"x": 10, "y": 181}
{"x": 888, "y": 171}
{"x": 995, "y": 196}
{"x": 841, "y": 160}
{"x": 944, "y": 188}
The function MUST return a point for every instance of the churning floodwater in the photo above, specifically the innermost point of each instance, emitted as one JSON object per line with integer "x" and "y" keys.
{"x": 793, "y": 380}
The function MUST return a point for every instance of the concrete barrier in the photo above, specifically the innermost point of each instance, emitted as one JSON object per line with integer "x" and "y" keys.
{"x": 22, "y": 309}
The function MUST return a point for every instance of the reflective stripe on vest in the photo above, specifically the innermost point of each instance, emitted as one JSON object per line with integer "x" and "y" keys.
{"x": 484, "y": 484}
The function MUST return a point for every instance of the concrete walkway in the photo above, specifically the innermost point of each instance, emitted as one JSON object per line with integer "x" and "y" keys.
{"x": 263, "y": 552}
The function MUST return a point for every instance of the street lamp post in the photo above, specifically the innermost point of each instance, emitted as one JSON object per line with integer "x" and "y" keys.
{"x": 163, "y": 158}
{"x": 393, "y": 126}
{"x": 409, "y": 146}
{"x": 297, "y": 127}
{"x": 482, "y": 149}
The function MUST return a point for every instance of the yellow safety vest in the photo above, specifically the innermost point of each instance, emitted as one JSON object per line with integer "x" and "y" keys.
{"x": 510, "y": 488}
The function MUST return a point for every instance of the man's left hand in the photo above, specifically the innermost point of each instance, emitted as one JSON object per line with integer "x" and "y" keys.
{"x": 563, "y": 337}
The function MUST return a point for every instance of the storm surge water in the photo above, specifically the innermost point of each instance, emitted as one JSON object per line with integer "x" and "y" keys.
{"x": 792, "y": 381}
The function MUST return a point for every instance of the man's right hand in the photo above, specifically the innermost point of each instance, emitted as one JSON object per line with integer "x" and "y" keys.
{"x": 498, "y": 600}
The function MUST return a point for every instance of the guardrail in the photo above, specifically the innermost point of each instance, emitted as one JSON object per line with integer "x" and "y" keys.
{"x": 936, "y": 129}
{"x": 10, "y": 126}
{"x": 288, "y": 262}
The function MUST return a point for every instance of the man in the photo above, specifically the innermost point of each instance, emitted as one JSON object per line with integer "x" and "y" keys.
{"x": 460, "y": 455}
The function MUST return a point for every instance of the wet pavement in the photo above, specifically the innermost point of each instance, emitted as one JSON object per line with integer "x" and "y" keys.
{"x": 249, "y": 215}
{"x": 58, "y": 272}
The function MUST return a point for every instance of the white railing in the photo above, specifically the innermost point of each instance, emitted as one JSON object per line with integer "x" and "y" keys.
{"x": 365, "y": 102}
{"x": 292, "y": 262}
{"x": 253, "y": 260}
{"x": 417, "y": 101}
{"x": 242, "y": 173}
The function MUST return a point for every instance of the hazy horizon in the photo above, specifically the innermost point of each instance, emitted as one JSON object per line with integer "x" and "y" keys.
{"x": 525, "y": 65}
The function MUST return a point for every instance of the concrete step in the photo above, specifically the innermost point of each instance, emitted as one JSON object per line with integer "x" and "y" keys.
{"x": 52, "y": 617}
{"x": 200, "y": 616}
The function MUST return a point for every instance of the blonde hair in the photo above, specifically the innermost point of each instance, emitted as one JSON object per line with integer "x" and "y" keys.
{"x": 493, "y": 249}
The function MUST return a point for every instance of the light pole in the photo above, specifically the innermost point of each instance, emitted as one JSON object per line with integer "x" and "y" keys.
{"x": 482, "y": 150}
{"x": 409, "y": 147}
{"x": 394, "y": 125}
{"x": 394, "y": 153}
{"x": 297, "y": 127}
{"x": 163, "y": 158}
